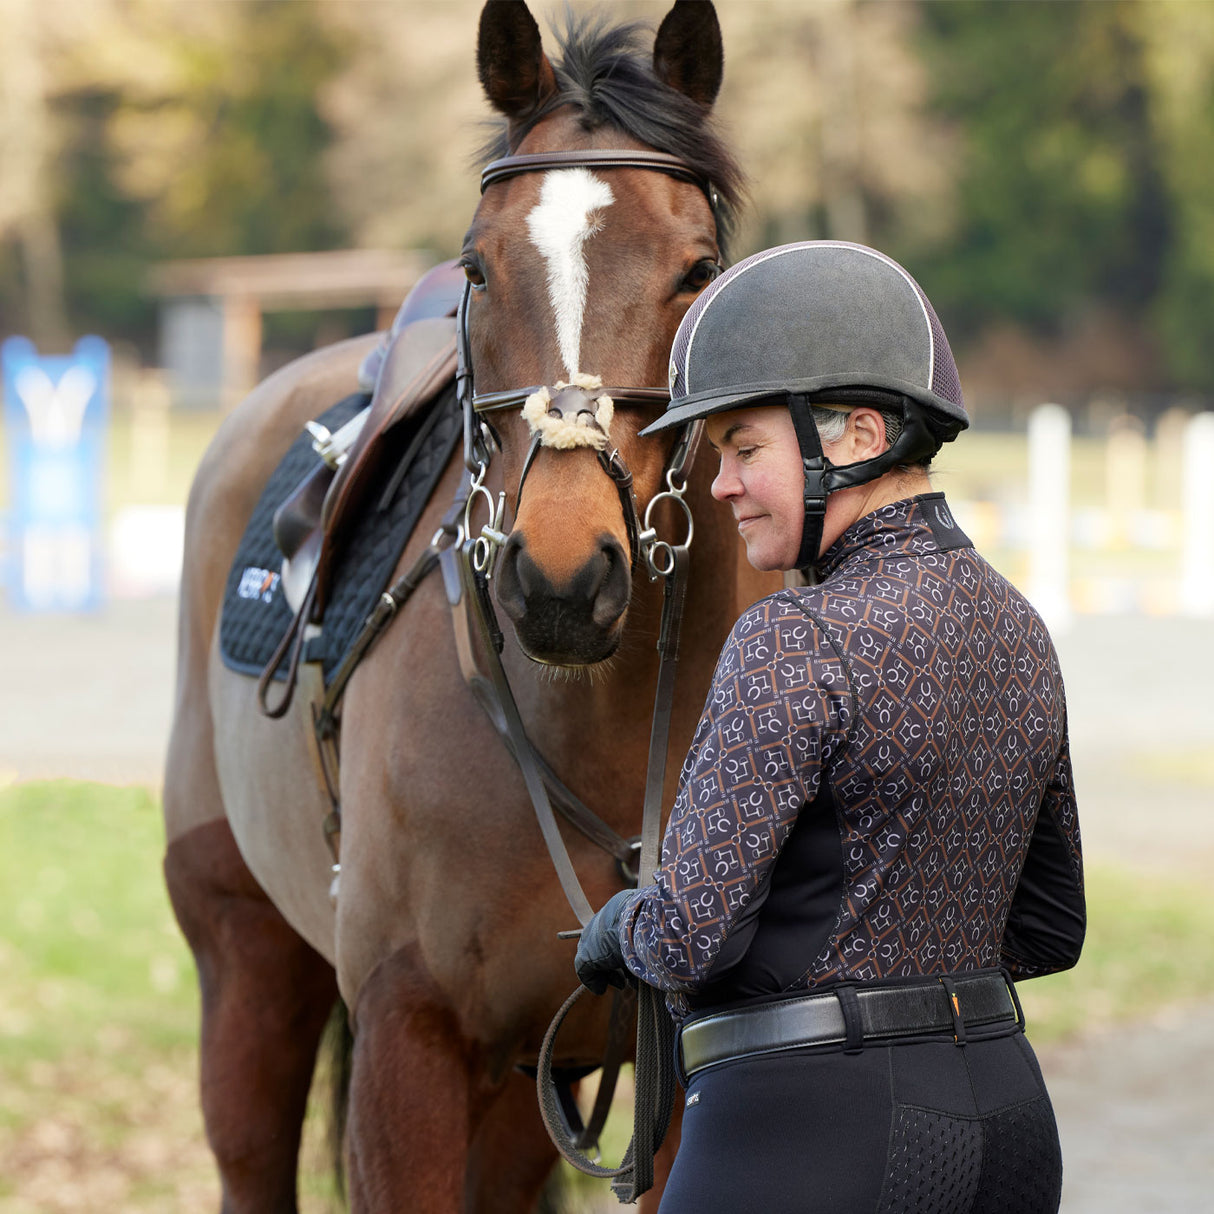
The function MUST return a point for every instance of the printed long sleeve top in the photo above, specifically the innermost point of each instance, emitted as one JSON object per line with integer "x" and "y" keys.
{"x": 879, "y": 785}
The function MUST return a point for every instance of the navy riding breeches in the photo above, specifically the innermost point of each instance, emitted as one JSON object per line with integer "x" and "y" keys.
{"x": 918, "y": 1128}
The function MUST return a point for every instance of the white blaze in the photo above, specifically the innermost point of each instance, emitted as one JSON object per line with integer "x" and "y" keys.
{"x": 560, "y": 225}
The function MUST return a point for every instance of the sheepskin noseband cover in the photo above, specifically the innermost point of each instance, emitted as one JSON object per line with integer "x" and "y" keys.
{"x": 569, "y": 415}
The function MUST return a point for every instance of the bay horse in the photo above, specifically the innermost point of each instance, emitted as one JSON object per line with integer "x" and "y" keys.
{"x": 442, "y": 938}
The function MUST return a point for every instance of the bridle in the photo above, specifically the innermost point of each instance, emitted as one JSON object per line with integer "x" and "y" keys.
{"x": 480, "y": 439}
{"x": 654, "y": 1086}
{"x": 466, "y": 558}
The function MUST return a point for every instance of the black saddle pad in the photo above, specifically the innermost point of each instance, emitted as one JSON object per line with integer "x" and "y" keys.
{"x": 255, "y": 611}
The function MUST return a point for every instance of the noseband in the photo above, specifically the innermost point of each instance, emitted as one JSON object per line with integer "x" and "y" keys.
{"x": 571, "y": 402}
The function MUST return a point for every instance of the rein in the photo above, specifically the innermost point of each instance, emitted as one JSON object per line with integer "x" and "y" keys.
{"x": 655, "y": 1083}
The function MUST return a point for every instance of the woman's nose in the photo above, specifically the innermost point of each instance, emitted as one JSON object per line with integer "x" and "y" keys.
{"x": 725, "y": 484}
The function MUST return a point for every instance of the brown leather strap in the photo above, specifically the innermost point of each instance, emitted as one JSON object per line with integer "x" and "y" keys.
{"x": 475, "y": 590}
{"x": 290, "y": 648}
{"x": 596, "y": 158}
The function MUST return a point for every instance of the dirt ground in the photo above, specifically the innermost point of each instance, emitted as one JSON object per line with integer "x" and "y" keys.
{"x": 91, "y": 697}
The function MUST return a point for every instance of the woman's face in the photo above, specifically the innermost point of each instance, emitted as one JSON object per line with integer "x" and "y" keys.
{"x": 761, "y": 480}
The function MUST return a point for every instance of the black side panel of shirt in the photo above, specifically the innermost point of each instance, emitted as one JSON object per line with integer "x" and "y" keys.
{"x": 1048, "y": 918}
{"x": 790, "y": 918}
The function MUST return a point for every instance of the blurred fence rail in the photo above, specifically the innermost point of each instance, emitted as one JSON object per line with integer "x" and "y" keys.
{"x": 1094, "y": 519}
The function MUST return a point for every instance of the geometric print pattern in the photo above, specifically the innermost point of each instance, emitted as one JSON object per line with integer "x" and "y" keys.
{"x": 924, "y": 690}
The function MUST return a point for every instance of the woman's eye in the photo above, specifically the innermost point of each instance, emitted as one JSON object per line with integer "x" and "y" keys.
{"x": 700, "y": 275}
{"x": 473, "y": 273}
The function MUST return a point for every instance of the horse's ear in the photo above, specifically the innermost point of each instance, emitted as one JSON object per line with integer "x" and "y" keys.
{"x": 688, "y": 54}
{"x": 510, "y": 60}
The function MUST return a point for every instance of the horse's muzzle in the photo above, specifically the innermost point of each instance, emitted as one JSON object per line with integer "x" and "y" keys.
{"x": 576, "y": 623}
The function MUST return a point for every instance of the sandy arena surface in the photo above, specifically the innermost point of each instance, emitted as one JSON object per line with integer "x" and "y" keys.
{"x": 90, "y": 697}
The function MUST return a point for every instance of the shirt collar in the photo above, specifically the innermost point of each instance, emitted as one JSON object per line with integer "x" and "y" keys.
{"x": 914, "y": 526}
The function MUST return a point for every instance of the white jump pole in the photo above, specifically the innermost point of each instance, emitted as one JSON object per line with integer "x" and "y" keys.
{"x": 1049, "y": 452}
{"x": 1197, "y": 525}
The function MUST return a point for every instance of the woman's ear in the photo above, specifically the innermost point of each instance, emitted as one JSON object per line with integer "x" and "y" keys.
{"x": 865, "y": 434}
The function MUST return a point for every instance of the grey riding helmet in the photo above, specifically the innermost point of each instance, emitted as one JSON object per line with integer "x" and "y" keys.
{"x": 819, "y": 321}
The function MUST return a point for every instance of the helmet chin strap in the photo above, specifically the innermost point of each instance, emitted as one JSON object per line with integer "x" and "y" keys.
{"x": 823, "y": 478}
{"x": 815, "y": 466}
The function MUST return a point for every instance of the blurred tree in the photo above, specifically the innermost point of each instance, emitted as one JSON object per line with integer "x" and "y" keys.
{"x": 827, "y": 104}
{"x": 827, "y": 153}
{"x": 1060, "y": 194}
{"x": 1049, "y": 165}
{"x": 223, "y": 145}
{"x": 183, "y": 130}
{"x": 409, "y": 116}
{"x": 1086, "y": 181}
{"x": 32, "y": 295}
{"x": 1179, "y": 41}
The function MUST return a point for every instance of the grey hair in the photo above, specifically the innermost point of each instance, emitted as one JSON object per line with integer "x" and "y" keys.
{"x": 831, "y": 424}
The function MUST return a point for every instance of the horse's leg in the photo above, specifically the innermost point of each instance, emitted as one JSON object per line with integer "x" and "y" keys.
{"x": 512, "y": 1154}
{"x": 410, "y": 1095}
{"x": 266, "y": 996}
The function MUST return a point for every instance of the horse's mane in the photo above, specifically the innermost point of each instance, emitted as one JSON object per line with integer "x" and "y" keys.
{"x": 606, "y": 73}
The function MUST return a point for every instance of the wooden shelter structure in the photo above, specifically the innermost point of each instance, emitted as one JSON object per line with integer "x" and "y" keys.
{"x": 211, "y": 309}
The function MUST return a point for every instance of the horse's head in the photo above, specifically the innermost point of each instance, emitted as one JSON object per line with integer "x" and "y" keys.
{"x": 580, "y": 272}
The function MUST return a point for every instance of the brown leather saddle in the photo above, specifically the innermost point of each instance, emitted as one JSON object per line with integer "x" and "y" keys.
{"x": 413, "y": 361}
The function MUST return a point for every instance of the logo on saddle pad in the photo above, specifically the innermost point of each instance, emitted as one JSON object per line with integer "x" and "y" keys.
{"x": 257, "y": 583}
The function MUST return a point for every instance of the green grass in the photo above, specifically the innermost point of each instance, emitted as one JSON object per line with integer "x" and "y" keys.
{"x": 87, "y": 941}
{"x": 1150, "y": 945}
{"x": 98, "y": 1004}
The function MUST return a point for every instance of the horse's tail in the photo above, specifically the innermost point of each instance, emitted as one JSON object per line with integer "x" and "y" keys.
{"x": 339, "y": 1052}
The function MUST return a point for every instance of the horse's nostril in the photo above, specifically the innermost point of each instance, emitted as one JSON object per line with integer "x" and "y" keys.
{"x": 516, "y": 576}
{"x": 615, "y": 585}
{"x": 585, "y": 584}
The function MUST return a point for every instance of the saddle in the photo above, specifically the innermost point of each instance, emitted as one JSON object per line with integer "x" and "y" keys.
{"x": 404, "y": 373}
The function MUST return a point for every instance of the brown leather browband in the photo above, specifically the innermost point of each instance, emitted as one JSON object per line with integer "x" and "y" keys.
{"x": 601, "y": 158}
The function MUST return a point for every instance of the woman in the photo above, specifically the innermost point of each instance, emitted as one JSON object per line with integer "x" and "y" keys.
{"x": 875, "y": 830}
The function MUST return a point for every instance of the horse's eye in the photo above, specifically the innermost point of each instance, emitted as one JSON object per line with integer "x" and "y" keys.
{"x": 472, "y": 272}
{"x": 700, "y": 275}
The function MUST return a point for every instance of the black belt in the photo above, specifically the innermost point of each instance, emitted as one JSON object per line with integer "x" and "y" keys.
{"x": 851, "y": 1015}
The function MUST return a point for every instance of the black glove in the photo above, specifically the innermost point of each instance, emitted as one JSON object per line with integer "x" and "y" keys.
{"x": 599, "y": 961}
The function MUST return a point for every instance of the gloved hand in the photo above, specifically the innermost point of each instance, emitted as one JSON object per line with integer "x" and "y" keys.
{"x": 599, "y": 961}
